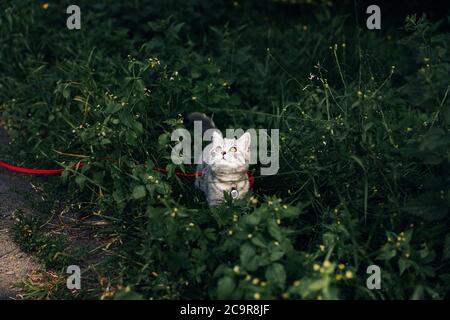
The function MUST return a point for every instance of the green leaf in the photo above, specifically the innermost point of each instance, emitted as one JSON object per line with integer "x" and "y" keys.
{"x": 225, "y": 288}
{"x": 112, "y": 108}
{"x": 249, "y": 259}
{"x": 276, "y": 254}
{"x": 276, "y": 275}
{"x": 252, "y": 219}
{"x": 247, "y": 253}
{"x": 259, "y": 241}
{"x": 139, "y": 192}
{"x": 66, "y": 93}
{"x": 163, "y": 140}
{"x": 131, "y": 138}
{"x": 138, "y": 128}
{"x": 80, "y": 180}
{"x": 386, "y": 253}
{"x": 274, "y": 230}
{"x": 403, "y": 264}
{"x": 105, "y": 141}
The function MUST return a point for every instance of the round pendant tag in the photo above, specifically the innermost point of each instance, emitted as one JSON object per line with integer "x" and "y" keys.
{"x": 234, "y": 193}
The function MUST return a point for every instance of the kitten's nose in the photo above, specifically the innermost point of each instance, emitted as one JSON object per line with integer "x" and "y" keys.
{"x": 224, "y": 153}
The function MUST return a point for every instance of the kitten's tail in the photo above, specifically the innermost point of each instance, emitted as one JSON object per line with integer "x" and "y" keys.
{"x": 207, "y": 122}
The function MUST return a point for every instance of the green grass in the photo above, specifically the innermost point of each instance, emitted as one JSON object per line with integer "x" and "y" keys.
{"x": 364, "y": 131}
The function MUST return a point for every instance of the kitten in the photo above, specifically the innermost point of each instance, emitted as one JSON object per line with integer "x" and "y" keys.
{"x": 224, "y": 164}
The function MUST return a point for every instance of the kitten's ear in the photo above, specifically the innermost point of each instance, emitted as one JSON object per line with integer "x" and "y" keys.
{"x": 217, "y": 138}
{"x": 244, "y": 142}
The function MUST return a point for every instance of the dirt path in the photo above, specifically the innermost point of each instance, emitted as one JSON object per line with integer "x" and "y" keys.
{"x": 14, "y": 264}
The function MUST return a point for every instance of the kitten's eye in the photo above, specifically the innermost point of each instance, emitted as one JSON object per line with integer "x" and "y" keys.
{"x": 233, "y": 149}
{"x": 216, "y": 150}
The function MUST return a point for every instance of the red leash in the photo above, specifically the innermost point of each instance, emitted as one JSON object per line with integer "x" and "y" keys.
{"x": 80, "y": 164}
{"x": 29, "y": 171}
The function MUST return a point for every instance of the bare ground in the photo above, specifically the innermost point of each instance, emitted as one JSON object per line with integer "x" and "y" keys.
{"x": 14, "y": 264}
{"x": 81, "y": 227}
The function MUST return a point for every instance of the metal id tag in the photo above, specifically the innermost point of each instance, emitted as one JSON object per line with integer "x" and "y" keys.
{"x": 234, "y": 193}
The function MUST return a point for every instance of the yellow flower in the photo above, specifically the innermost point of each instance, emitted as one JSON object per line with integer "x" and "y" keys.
{"x": 349, "y": 274}
{"x": 44, "y": 6}
{"x": 339, "y": 277}
{"x": 322, "y": 248}
{"x": 255, "y": 281}
{"x": 257, "y": 295}
{"x": 316, "y": 267}
{"x": 154, "y": 62}
{"x": 296, "y": 283}
{"x": 285, "y": 295}
{"x": 237, "y": 269}
{"x": 341, "y": 266}
{"x": 327, "y": 264}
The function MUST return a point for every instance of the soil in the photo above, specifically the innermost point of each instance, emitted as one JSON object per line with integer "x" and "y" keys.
{"x": 14, "y": 264}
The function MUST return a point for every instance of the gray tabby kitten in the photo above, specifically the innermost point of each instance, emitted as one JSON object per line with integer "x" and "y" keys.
{"x": 224, "y": 164}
